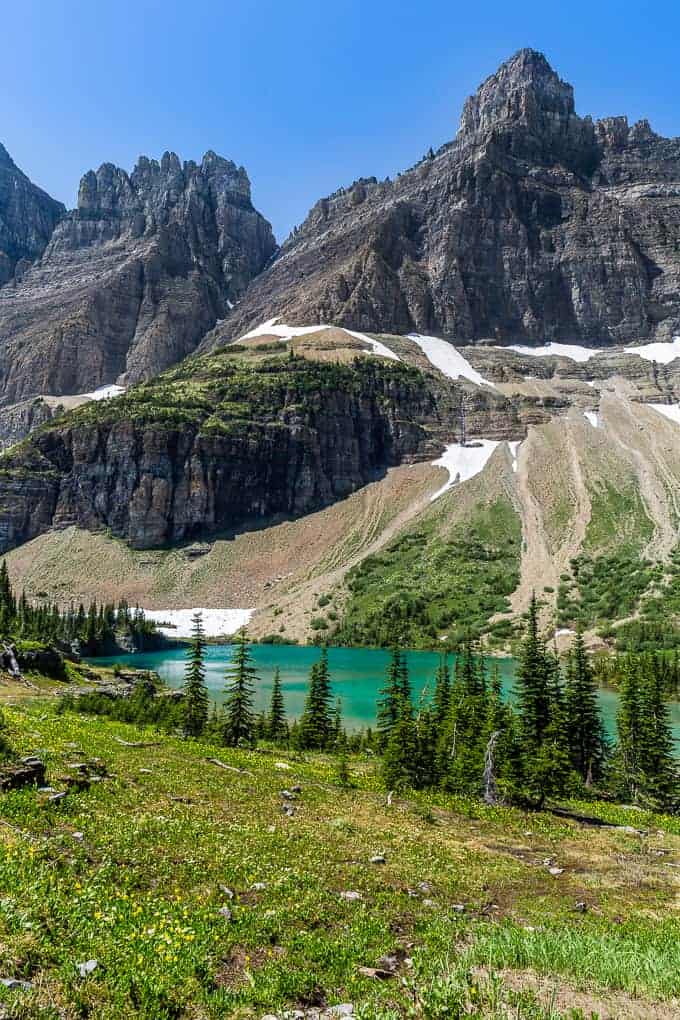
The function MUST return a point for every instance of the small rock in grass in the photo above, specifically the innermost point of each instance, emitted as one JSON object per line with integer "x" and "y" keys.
{"x": 226, "y": 891}
{"x": 258, "y": 886}
{"x": 16, "y": 983}
{"x": 84, "y": 969}
{"x": 376, "y": 972}
{"x": 288, "y": 795}
{"x": 378, "y": 859}
{"x": 458, "y": 908}
{"x": 342, "y": 1009}
{"x": 288, "y": 809}
{"x": 225, "y": 912}
{"x": 270, "y": 1016}
{"x": 296, "y": 789}
{"x": 429, "y": 903}
{"x": 556, "y": 871}
{"x": 283, "y": 765}
{"x": 581, "y": 906}
{"x": 78, "y": 836}
{"x": 147, "y": 772}
{"x": 424, "y": 887}
{"x": 351, "y": 896}
{"x": 53, "y": 797}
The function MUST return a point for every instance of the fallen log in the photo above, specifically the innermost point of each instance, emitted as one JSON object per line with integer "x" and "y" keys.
{"x": 230, "y": 768}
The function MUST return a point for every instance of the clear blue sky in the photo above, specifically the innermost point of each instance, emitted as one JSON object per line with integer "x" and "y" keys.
{"x": 306, "y": 94}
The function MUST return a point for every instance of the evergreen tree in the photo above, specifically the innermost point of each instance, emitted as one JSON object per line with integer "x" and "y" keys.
{"x": 400, "y": 759}
{"x": 532, "y": 682}
{"x": 239, "y": 719}
{"x": 585, "y": 732}
{"x": 316, "y": 722}
{"x": 391, "y": 696}
{"x": 195, "y": 690}
{"x": 442, "y": 691}
{"x": 277, "y": 728}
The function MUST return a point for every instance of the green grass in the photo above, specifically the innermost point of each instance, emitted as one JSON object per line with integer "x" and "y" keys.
{"x": 618, "y": 519}
{"x": 602, "y": 589}
{"x": 425, "y": 585}
{"x": 140, "y": 891}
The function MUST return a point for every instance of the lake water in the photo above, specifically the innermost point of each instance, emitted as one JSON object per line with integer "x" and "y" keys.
{"x": 357, "y": 675}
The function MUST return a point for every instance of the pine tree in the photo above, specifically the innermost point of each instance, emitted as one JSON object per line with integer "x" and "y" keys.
{"x": 400, "y": 759}
{"x": 532, "y": 681}
{"x": 585, "y": 732}
{"x": 316, "y": 723}
{"x": 195, "y": 690}
{"x": 442, "y": 691}
{"x": 241, "y": 679}
{"x": 656, "y": 741}
{"x": 277, "y": 728}
{"x": 391, "y": 696}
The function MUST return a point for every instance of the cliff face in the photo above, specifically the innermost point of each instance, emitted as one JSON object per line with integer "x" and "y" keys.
{"x": 223, "y": 442}
{"x": 133, "y": 278}
{"x": 533, "y": 224}
{"x": 27, "y": 218}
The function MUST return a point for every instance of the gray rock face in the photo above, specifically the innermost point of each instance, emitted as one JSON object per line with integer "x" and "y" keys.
{"x": 27, "y": 218}
{"x": 533, "y": 224}
{"x": 133, "y": 278}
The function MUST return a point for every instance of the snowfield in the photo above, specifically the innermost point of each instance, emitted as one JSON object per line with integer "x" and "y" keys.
{"x": 593, "y": 418}
{"x": 106, "y": 392}
{"x": 463, "y": 462}
{"x": 514, "y": 449}
{"x": 662, "y": 353}
{"x": 573, "y": 351}
{"x": 216, "y": 622}
{"x": 670, "y": 411}
{"x": 448, "y": 359}
{"x": 284, "y": 332}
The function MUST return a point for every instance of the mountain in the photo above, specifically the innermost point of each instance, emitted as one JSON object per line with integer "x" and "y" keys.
{"x": 533, "y": 224}
{"x": 28, "y": 217}
{"x": 130, "y": 281}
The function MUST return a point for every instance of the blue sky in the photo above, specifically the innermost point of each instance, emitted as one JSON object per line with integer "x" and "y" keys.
{"x": 306, "y": 95}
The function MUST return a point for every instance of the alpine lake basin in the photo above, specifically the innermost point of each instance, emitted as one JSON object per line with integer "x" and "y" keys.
{"x": 357, "y": 675}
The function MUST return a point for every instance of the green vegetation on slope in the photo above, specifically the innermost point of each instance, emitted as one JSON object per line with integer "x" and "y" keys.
{"x": 602, "y": 589}
{"x": 618, "y": 519}
{"x": 138, "y": 873}
{"x": 658, "y": 625}
{"x": 425, "y": 585}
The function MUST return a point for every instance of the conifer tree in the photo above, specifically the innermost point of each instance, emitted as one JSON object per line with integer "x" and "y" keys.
{"x": 442, "y": 691}
{"x": 585, "y": 731}
{"x": 277, "y": 728}
{"x": 239, "y": 719}
{"x": 399, "y": 761}
{"x": 316, "y": 723}
{"x": 532, "y": 682}
{"x": 195, "y": 690}
{"x": 391, "y": 696}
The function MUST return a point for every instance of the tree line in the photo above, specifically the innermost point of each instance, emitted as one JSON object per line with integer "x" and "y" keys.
{"x": 93, "y": 630}
{"x": 465, "y": 736}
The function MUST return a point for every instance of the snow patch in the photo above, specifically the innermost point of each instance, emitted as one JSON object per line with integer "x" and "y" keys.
{"x": 670, "y": 411}
{"x": 106, "y": 392}
{"x": 284, "y": 332}
{"x": 463, "y": 462}
{"x": 563, "y": 631}
{"x": 216, "y": 622}
{"x": 514, "y": 448}
{"x": 662, "y": 353}
{"x": 593, "y": 418}
{"x": 573, "y": 351}
{"x": 230, "y": 305}
{"x": 448, "y": 359}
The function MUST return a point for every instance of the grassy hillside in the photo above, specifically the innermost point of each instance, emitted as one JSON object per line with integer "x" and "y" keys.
{"x": 136, "y": 872}
{"x": 428, "y": 585}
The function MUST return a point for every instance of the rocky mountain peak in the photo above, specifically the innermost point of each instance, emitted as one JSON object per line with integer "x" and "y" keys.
{"x": 27, "y": 218}
{"x": 528, "y": 112}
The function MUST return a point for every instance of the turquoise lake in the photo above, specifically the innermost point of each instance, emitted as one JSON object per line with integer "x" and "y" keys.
{"x": 357, "y": 674}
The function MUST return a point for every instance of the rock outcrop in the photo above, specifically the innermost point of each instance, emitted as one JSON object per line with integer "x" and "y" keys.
{"x": 28, "y": 217}
{"x": 533, "y": 224}
{"x": 224, "y": 442}
{"x": 133, "y": 278}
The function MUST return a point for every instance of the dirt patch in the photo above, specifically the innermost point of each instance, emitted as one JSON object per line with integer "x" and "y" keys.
{"x": 235, "y": 969}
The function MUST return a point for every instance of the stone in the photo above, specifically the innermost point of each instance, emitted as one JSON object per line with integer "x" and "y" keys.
{"x": 378, "y": 859}
{"x": 226, "y": 891}
{"x": 556, "y": 871}
{"x": 86, "y": 968}
{"x": 225, "y": 912}
{"x": 16, "y": 983}
{"x": 29, "y": 772}
{"x": 258, "y": 886}
{"x": 351, "y": 896}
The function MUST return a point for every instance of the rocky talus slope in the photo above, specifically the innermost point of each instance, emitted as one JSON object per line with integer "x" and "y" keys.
{"x": 129, "y": 282}
{"x": 533, "y": 224}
